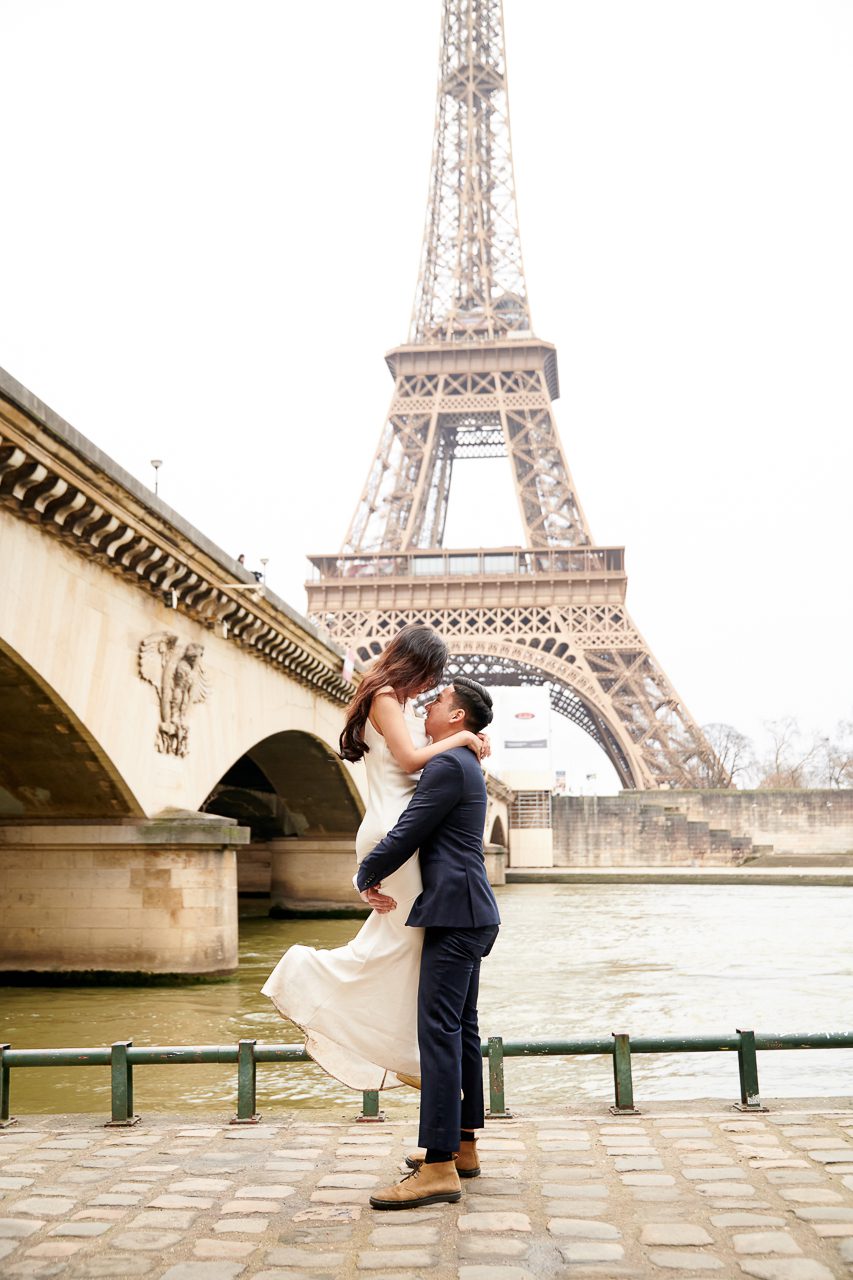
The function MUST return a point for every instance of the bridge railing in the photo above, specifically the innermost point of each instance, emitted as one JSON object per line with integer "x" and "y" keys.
{"x": 510, "y": 561}
{"x": 122, "y": 1056}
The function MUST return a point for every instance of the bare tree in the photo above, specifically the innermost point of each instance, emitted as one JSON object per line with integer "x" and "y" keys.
{"x": 734, "y": 752}
{"x": 787, "y": 759}
{"x": 834, "y": 758}
{"x": 790, "y": 761}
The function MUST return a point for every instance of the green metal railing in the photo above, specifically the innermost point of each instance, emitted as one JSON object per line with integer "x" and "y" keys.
{"x": 122, "y": 1057}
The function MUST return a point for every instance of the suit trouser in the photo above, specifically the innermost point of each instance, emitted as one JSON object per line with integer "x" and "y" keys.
{"x": 449, "y": 1034}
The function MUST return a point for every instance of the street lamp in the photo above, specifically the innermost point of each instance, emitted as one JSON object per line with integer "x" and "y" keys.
{"x": 265, "y": 561}
{"x": 156, "y": 464}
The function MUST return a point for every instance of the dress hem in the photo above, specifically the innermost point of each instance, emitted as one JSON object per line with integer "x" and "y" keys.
{"x": 393, "y": 1083}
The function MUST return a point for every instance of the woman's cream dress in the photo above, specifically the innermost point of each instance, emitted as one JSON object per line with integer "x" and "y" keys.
{"x": 358, "y": 1004}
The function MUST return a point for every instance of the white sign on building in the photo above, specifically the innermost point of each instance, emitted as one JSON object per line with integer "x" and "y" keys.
{"x": 521, "y": 737}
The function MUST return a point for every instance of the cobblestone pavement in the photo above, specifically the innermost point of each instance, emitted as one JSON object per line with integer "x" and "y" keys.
{"x": 673, "y": 1192}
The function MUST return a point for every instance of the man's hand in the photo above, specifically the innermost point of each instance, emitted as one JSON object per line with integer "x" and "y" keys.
{"x": 380, "y": 902}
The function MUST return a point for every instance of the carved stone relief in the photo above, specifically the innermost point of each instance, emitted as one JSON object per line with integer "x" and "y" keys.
{"x": 175, "y": 670}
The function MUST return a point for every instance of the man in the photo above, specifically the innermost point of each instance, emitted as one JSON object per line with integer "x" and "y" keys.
{"x": 457, "y": 910}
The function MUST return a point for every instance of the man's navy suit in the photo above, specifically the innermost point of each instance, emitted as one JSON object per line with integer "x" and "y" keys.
{"x": 457, "y": 909}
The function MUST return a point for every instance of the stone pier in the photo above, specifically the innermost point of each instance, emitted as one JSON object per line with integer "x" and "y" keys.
{"x": 138, "y": 897}
{"x": 313, "y": 873}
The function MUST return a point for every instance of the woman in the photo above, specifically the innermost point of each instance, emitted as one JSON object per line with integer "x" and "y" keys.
{"x": 358, "y": 1004}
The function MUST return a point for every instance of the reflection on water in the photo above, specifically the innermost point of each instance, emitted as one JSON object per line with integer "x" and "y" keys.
{"x": 572, "y": 961}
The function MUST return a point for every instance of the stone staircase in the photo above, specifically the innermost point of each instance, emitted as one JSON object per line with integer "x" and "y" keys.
{"x": 626, "y": 830}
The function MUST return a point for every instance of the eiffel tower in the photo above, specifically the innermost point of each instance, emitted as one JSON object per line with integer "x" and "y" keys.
{"x": 474, "y": 382}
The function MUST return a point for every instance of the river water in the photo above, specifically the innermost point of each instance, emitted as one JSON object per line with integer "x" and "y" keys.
{"x": 572, "y": 961}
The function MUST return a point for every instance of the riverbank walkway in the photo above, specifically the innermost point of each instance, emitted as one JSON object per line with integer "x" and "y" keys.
{"x": 681, "y": 1190}
{"x": 839, "y": 875}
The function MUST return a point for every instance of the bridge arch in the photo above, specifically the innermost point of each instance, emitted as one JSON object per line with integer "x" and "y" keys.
{"x": 302, "y": 806}
{"x": 289, "y": 783}
{"x": 491, "y": 659}
{"x": 51, "y": 766}
{"x": 573, "y": 693}
{"x": 497, "y": 835}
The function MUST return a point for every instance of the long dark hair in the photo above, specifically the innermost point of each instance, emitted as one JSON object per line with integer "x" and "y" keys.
{"x": 412, "y": 663}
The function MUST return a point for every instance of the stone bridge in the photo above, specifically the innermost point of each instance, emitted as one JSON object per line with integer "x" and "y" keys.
{"x": 159, "y": 711}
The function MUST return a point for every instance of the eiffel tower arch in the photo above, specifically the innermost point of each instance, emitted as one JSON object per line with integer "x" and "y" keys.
{"x": 474, "y": 382}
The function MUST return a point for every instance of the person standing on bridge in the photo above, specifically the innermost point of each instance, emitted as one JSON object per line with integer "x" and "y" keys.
{"x": 358, "y": 1004}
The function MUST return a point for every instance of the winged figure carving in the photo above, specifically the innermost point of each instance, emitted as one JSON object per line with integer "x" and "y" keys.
{"x": 177, "y": 674}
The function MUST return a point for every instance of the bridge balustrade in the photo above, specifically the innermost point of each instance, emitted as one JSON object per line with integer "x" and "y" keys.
{"x": 519, "y": 562}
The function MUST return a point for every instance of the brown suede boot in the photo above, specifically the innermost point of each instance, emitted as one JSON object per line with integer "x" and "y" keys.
{"x": 466, "y": 1160}
{"x": 428, "y": 1184}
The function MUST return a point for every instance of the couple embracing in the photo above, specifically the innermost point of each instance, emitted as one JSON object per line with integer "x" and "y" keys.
{"x": 398, "y": 1004}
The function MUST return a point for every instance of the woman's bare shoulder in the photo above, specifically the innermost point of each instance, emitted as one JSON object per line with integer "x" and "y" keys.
{"x": 379, "y": 700}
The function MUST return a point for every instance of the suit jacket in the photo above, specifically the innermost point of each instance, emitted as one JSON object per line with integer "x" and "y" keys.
{"x": 445, "y": 820}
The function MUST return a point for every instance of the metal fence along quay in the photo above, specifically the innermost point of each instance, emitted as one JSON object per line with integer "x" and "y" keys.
{"x": 122, "y": 1056}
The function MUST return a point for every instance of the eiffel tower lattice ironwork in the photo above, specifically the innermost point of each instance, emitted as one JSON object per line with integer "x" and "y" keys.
{"x": 474, "y": 382}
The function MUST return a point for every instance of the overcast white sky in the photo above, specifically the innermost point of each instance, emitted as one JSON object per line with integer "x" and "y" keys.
{"x": 210, "y": 224}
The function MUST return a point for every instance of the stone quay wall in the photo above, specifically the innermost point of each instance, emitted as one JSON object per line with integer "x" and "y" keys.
{"x": 807, "y": 822}
{"x": 695, "y": 828}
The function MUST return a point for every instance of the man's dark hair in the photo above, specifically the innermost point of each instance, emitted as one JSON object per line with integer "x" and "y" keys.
{"x": 475, "y": 701}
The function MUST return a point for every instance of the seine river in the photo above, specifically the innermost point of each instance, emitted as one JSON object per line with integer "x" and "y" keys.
{"x": 571, "y": 961}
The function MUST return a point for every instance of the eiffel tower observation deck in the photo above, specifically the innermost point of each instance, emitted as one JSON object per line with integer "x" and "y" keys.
{"x": 474, "y": 382}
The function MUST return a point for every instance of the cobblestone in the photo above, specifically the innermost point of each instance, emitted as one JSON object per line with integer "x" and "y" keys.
{"x": 591, "y": 1251}
{"x": 243, "y": 1226}
{"x": 676, "y": 1194}
{"x": 181, "y": 1218}
{"x": 53, "y": 1206}
{"x": 154, "y": 1240}
{"x": 204, "y": 1271}
{"x": 180, "y": 1202}
{"x": 403, "y": 1235}
{"x": 391, "y": 1259}
{"x": 54, "y": 1249}
{"x": 678, "y": 1260}
{"x": 576, "y": 1208}
{"x": 788, "y": 1269}
{"x": 81, "y": 1229}
{"x": 745, "y": 1220}
{"x": 494, "y": 1222}
{"x": 743, "y": 1190}
{"x": 17, "y": 1228}
{"x": 583, "y": 1229}
{"x": 674, "y": 1233}
{"x": 765, "y": 1242}
{"x": 311, "y": 1260}
{"x": 495, "y": 1273}
{"x": 811, "y": 1195}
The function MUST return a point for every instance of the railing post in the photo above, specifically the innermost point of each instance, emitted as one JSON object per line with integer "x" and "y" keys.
{"x": 747, "y": 1062}
{"x": 370, "y": 1113}
{"x": 247, "y": 1073}
{"x": 622, "y": 1079}
{"x": 497, "y": 1100}
{"x": 5, "y": 1084}
{"x": 121, "y": 1087}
